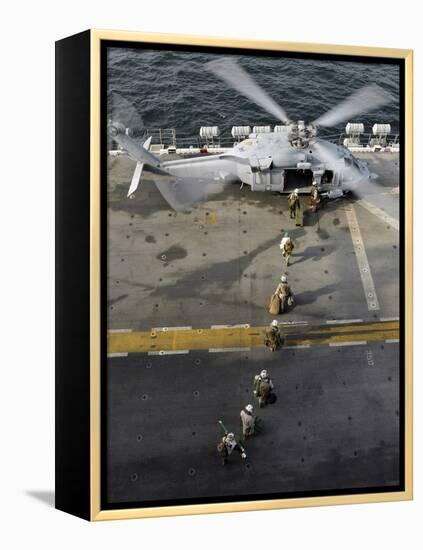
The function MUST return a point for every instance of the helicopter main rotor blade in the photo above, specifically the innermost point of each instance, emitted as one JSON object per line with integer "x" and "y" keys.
{"x": 329, "y": 154}
{"x": 362, "y": 101}
{"x": 326, "y": 154}
{"x": 236, "y": 77}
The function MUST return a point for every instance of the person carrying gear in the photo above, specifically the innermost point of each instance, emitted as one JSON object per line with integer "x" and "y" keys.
{"x": 314, "y": 197}
{"x": 248, "y": 421}
{"x": 284, "y": 293}
{"x": 263, "y": 387}
{"x": 228, "y": 445}
{"x": 293, "y": 203}
{"x": 273, "y": 337}
{"x": 286, "y": 246}
{"x": 299, "y": 215}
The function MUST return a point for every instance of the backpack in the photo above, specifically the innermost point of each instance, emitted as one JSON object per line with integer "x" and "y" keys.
{"x": 221, "y": 447}
{"x": 272, "y": 398}
{"x": 264, "y": 389}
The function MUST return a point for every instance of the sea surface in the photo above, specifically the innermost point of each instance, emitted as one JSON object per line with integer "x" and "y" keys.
{"x": 149, "y": 88}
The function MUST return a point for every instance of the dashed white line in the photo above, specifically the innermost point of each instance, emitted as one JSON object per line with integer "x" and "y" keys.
{"x": 293, "y": 322}
{"x": 389, "y": 319}
{"x": 392, "y": 341}
{"x": 119, "y": 330}
{"x": 117, "y": 354}
{"x": 302, "y": 346}
{"x": 243, "y": 325}
{"x": 166, "y": 329}
{"x": 169, "y": 352}
{"x": 220, "y": 350}
{"x": 343, "y": 321}
{"x": 381, "y": 214}
{"x": 353, "y": 343}
{"x": 361, "y": 256}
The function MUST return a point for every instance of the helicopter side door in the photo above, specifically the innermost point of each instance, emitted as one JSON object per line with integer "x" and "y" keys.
{"x": 264, "y": 177}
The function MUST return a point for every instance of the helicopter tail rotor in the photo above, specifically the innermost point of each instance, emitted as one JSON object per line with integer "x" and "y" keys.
{"x": 138, "y": 171}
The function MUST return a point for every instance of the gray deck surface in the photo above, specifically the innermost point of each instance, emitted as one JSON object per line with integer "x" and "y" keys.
{"x": 336, "y": 422}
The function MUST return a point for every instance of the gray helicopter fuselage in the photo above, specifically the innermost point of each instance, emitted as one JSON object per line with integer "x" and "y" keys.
{"x": 292, "y": 156}
{"x": 262, "y": 161}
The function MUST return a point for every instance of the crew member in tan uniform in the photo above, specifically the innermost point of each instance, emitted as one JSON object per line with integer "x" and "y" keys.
{"x": 286, "y": 246}
{"x": 314, "y": 197}
{"x": 272, "y": 336}
{"x": 263, "y": 387}
{"x": 294, "y": 203}
{"x": 284, "y": 292}
{"x": 248, "y": 421}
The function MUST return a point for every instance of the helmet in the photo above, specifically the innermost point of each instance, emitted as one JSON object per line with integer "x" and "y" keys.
{"x": 275, "y": 323}
{"x": 230, "y": 435}
{"x": 314, "y": 182}
{"x": 296, "y": 191}
{"x": 286, "y": 235}
{"x": 249, "y": 408}
{"x": 283, "y": 278}
{"x": 263, "y": 373}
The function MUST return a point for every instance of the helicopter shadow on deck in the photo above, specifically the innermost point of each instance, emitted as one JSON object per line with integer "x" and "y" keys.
{"x": 310, "y": 296}
{"x": 313, "y": 253}
{"x": 201, "y": 278}
{"x": 148, "y": 201}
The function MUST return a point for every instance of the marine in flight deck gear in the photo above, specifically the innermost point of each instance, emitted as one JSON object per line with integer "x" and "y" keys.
{"x": 273, "y": 337}
{"x": 293, "y": 203}
{"x": 314, "y": 197}
{"x": 284, "y": 292}
{"x": 286, "y": 246}
{"x": 228, "y": 444}
{"x": 263, "y": 387}
{"x": 248, "y": 421}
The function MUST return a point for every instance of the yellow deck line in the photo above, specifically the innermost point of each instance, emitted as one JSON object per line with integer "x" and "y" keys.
{"x": 251, "y": 337}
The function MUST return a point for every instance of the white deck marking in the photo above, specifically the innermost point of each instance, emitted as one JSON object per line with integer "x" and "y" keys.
{"x": 243, "y": 325}
{"x": 303, "y": 346}
{"x": 381, "y": 214}
{"x": 220, "y": 350}
{"x": 166, "y": 329}
{"x": 353, "y": 343}
{"x": 389, "y": 318}
{"x": 293, "y": 323}
{"x": 361, "y": 256}
{"x": 117, "y": 354}
{"x": 343, "y": 321}
{"x": 119, "y": 330}
{"x": 392, "y": 341}
{"x": 169, "y": 352}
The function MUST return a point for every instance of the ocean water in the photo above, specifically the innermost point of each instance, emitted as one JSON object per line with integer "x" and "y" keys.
{"x": 150, "y": 88}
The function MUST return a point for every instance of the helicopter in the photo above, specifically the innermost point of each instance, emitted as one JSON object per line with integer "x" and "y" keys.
{"x": 266, "y": 162}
